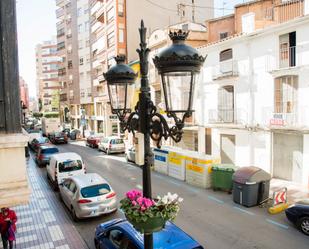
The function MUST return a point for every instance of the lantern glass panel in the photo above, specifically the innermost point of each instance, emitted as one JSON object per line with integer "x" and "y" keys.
{"x": 178, "y": 89}
{"x": 121, "y": 96}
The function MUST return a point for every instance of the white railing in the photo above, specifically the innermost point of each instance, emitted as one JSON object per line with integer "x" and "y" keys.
{"x": 227, "y": 116}
{"x": 60, "y": 12}
{"x": 287, "y": 57}
{"x": 226, "y": 68}
{"x": 297, "y": 119}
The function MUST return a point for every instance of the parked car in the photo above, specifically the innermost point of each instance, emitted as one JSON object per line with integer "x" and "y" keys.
{"x": 112, "y": 145}
{"x": 33, "y": 133}
{"x": 119, "y": 233}
{"x": 93, "y": 141}
{"x": 58, "y": 137}
{"x": 44, "y": 153}
{"x": 88, "y": 195}
{"x": 64, "y": 165}
{"x": 299, "y": 215}
{"x": 130, "y": 155}
{"x": 74, "y": 134}
{"x": 36, "y": 142}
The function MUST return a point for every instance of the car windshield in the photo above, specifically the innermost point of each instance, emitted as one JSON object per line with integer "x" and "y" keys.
{"x": 50, "y": 151}
{"x": 95, "y": 190}
{"x": 70, "y": 165}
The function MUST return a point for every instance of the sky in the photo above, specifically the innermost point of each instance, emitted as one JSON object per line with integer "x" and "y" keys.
{"x": 36, "y": 22}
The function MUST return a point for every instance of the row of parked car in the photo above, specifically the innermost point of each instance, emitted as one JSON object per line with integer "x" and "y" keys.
{"x": 89, "y": 195}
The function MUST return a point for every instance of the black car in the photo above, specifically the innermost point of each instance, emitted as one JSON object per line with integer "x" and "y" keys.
{"x": 44, "y": 154}
{"x": 299, "y": 215}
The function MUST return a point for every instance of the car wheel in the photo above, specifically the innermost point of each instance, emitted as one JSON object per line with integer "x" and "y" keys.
{"x": 304, "y": 225}
{"x": 74, "y": 217}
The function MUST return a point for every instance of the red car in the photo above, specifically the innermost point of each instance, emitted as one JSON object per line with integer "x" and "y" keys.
{"x": 93, "y": 141}
{"x": 58, "y": 138}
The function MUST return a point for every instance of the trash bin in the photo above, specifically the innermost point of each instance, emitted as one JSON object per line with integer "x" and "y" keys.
{"x": 160, "y": 160}
{"x": 250, "y": 186}
{"x": 222, "y": 177}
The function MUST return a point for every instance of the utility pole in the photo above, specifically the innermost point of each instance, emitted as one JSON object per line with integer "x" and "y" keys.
{"x": 193, "y": 11}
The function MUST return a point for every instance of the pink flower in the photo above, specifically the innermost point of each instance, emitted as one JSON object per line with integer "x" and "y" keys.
{"x": 133, "y": 194}
{"x": 140, "y": 201}
{"x": 143, "y": 208}
{"x": 148, "y": 202}
{"x": 134, "y": 203}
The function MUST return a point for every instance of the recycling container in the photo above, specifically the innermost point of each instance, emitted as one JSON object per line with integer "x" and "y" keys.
{"x": 250, "y": 186}
{"x": 222, "y": 177}
{"x": 160, "y": 160}
{"x": 198, "y": 169}
{"x": 176, "y": 164}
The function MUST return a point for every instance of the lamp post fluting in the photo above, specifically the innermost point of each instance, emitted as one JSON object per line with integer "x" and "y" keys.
{"x": 178, "y": 66}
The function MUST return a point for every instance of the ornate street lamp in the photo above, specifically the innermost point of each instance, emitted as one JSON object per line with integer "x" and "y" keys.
{"x": 120, "y": 82}
{"x": 178, "y": 66}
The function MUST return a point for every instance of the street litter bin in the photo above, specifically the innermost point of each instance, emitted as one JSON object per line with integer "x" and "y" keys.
{"x": 160, "y": 160}
{"x": 250, "y": 186}
{"x": 222, "y": 177}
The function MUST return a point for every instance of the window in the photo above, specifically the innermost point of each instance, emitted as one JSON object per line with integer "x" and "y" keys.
{"x": 86, "y": 26}
{"x": 82, "y": 93}
{"x": 80, "y": 27}
{"x": 110, "y": 15}
{"x": 287, "y": 46}
{"x": 223, "y": 35}
{"x": 72, "y": 187}
{"x": 70, "y": 64}
{"x": 80, "y": 44}
{"x": 286, "y": 94}
{"x": 120, "y": 8}
{"x": 226, "y": 104}
{"x": 89, "y": 92}
{"x": 96, "y": 190}
{"x": 79, "y": 11}
{"x": 121, "y": 35}
{"x": 110, "y": 39}
{"x": 87, "y": 43}
{"x": 81, "y": 61}
{"x": 226, "y": 55}
{"x": 70, "y": 165}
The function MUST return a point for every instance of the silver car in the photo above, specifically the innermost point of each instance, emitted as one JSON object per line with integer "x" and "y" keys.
{"x": 88, "y": 195}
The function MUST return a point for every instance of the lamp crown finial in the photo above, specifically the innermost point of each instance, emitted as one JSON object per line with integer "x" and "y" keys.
{"x": 178, "y": 35}
{"x": 120, "y": 59}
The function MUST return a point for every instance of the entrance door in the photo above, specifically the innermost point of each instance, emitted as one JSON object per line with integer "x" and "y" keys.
{"x": 227, "y": 148}
{"x": 288, "y": 157}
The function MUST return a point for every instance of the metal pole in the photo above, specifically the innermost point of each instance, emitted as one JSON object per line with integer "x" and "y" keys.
{"x": 143, "y": 108}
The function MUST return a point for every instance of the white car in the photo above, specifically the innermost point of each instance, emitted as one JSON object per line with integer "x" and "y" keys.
{"x": 64, "y": 165}
{"x": 88, "y": 195}
{"x": 112, "y": 145}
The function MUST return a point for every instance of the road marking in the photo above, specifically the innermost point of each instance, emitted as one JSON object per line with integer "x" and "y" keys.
{"x": 215, "y": 199}
{"x": 277, "y": 224}
{"x": 139, "y": 186}
{"x": 243, "y": 210}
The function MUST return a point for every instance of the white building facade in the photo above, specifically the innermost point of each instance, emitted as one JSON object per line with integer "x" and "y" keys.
{"x": 252, "y": 100}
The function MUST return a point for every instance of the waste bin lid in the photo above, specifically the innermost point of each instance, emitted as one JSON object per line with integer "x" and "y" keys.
{"x": 250, "y": 174}
{"x": 224, "y": 167}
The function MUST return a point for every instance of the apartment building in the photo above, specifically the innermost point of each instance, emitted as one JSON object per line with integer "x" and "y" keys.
{"x": 114, "y": 30}
{"x": 252, "y": 96}
{"x": 157, "y": 41}
{"x": 48, "y": 87}
{"x": 68, "y": 71}
{"x": 24, "y": 92}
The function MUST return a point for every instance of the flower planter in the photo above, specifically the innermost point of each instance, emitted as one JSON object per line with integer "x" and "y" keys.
{"x": 152, "y": 225}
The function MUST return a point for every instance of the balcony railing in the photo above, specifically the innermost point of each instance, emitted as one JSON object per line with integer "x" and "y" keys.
{"x": 60, "y": 12}
{"x": 288, "y": 10}
{"x": 228, "y": 68}
{"x": 228, "y": 116}
{"x": 297, "y": 119}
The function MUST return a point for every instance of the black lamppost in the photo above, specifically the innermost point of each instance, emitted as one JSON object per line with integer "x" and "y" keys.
{"x": 178, "y": 66}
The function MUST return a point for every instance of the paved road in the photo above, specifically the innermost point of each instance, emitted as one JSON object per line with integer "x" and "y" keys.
{"x": 210, "y": 217}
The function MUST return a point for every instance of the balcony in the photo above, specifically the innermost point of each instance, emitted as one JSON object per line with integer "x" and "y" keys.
{"x": 228, "y": 68}
{"x": 293, "y": 120}
{"x": 227, "y": 116}
{"x": 287, "y": 57}
{"x": 60, "y": 12}
{"x": 61, "y": 3}
{"x": 288, "y": 10}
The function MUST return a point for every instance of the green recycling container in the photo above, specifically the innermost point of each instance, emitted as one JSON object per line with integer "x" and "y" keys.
{"x": 222, "y": 177}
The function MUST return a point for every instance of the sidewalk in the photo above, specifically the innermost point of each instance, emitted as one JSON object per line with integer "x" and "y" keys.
{"x": 44, "y": 223}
